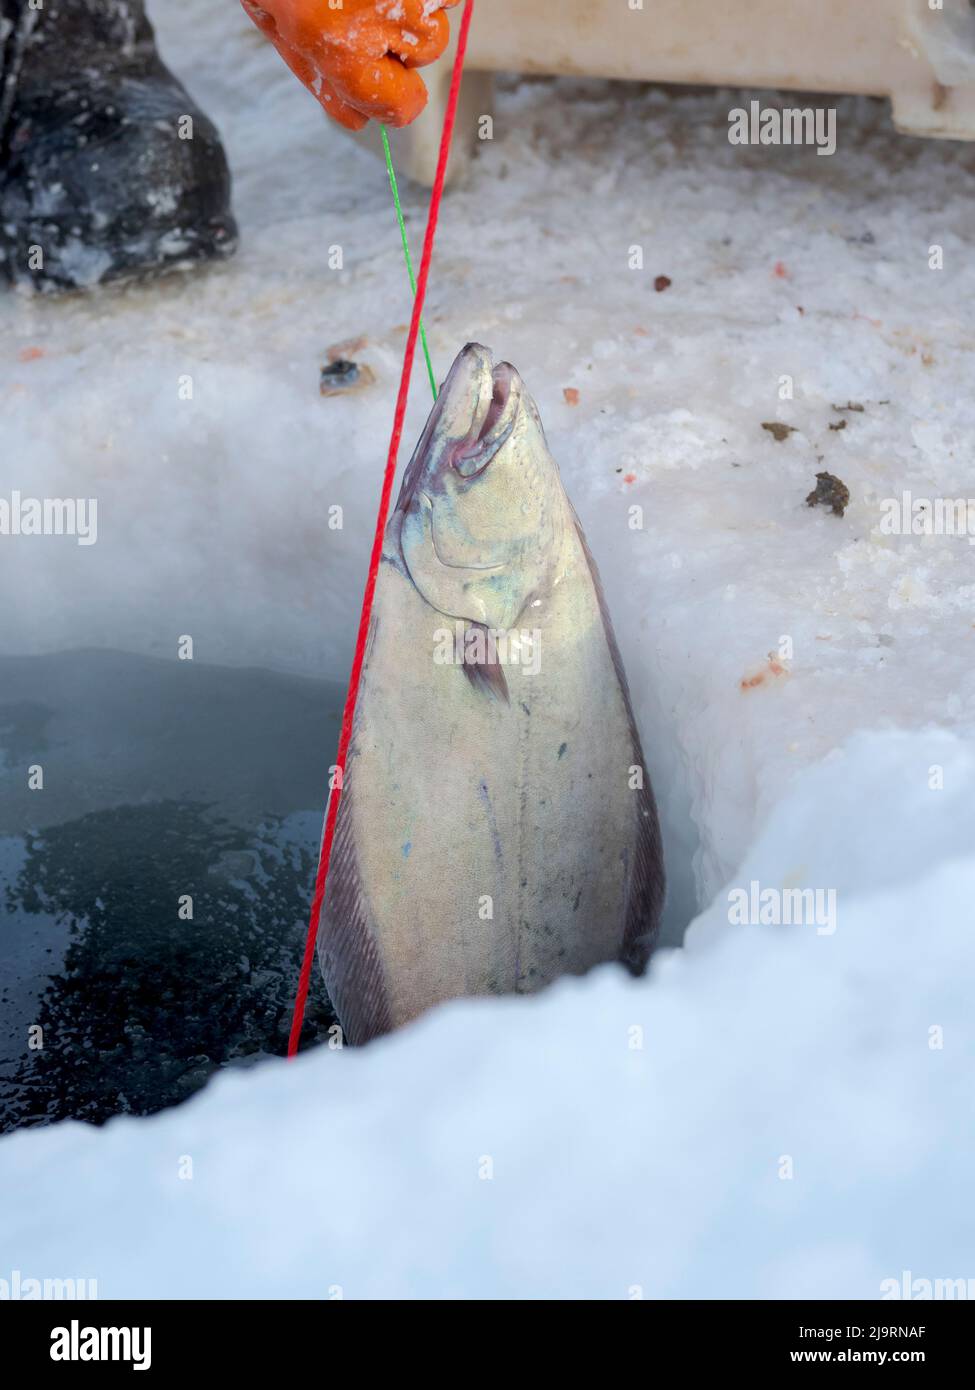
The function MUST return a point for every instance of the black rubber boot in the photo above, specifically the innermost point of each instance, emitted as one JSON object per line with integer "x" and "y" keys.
{"x": 108, "y": 168}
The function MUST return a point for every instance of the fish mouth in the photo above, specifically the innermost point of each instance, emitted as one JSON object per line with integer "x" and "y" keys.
{"x": 475, "y": 412}
{"x": 494, "y": 419}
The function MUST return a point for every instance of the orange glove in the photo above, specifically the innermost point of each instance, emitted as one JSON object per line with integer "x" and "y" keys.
{"x": 357, "y": 56}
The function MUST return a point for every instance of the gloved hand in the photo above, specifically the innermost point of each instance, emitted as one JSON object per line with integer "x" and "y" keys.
{"x": 358, "y": 59}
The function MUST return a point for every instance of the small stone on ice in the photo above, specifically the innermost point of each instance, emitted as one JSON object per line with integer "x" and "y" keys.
{"x": 343, "y": 375}
{"x": 829, "y": 492}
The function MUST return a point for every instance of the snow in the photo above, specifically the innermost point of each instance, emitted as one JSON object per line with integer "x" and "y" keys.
{"x": 610, "y": 1139}
{"x": 613, "y": 1167}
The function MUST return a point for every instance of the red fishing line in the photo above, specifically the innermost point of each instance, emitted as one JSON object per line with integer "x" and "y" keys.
{"x": 348, "y": 714}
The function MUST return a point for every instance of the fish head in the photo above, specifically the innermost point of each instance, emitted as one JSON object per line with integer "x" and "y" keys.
{"x": 482, "y": 513}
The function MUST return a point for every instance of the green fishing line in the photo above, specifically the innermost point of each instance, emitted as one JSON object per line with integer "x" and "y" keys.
{"x": 406, "y": 253}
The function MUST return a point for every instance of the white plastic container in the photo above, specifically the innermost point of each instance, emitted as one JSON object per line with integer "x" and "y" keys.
{"x": 918, "y": 53}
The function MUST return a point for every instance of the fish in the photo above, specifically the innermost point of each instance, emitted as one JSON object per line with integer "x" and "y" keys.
{"x": 496, "y": 827}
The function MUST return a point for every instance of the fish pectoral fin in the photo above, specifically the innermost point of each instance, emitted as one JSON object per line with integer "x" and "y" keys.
{"x": 487, "y": 678}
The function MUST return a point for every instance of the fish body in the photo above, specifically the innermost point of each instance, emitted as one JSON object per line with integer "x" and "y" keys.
{"x": 496, "y": 827}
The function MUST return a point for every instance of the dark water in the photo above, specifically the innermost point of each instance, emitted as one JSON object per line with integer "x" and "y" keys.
{"x": 161, "y": 780}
